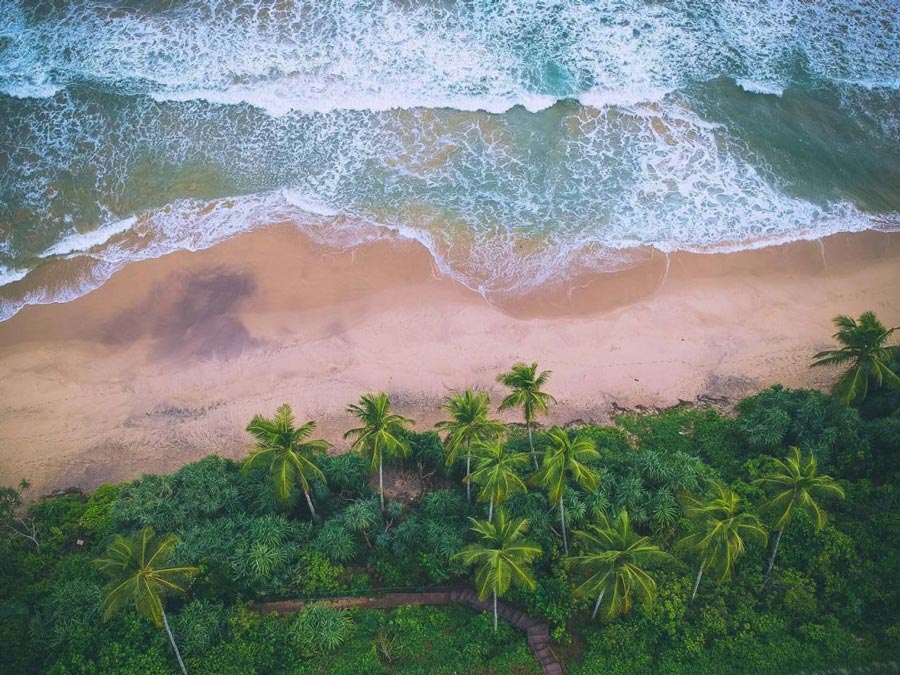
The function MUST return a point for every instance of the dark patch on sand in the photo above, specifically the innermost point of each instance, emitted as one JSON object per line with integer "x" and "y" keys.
{"x": 191, "y": 317}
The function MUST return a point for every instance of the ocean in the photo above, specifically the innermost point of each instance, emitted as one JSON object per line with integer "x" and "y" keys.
{"x": 522, "y": 141}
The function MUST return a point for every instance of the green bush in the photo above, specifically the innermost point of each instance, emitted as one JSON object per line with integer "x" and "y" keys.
{"x": 97, "y": 519}
{"x": 319, "y": 629}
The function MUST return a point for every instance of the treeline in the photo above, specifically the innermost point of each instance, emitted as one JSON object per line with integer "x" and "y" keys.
{"x": 697, "y": 542}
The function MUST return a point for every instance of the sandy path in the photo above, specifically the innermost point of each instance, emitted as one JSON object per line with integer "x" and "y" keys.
{"x": 170, "y": 359}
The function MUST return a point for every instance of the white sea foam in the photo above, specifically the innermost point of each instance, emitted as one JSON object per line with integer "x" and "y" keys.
{"x": 760, "y": 87}
{"x": 492, "y": 265}
{"x": 79, "y": 242}
{"x": 27, "y": 89}
{"x": 326, "y": 55}
{"x": 9, "y": 275}
{"x": 358, "y": 119}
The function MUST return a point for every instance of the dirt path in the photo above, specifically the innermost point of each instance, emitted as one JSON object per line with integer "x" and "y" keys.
{"x": 536, "y": 631}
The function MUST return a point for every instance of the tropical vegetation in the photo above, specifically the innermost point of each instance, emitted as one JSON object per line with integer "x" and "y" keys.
{"x": 612, "y": 554}
{"x": 525, "y": 384}
{"x": 139, "y": 578}
{"x": 380, "y": 434}
{"x": 291, "y": 458}
{"x": 470, "y": 424}
{"x": 796, "y": 486}
{"x": 865, "y": 350}
{"x": 676, "y": 519}
{"x": 501, "y": 558}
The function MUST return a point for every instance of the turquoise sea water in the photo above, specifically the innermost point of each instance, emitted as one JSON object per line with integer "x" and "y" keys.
{"x": 522, "y": 141}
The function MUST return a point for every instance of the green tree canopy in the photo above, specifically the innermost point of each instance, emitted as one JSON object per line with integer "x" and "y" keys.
{"x": 497, "y": 474}
{"x": 381, "y": 433}
{"x": 469, "y": 424}
{"x": 501, "y": 558}
{"x": 526, "y": 383}
{"x": 291, "y": 458}
{"x": 864, "y": 347}
{"x": 613, "y": 555}
{"x": 566, "y": 459}
{"x": 795, "y": 485}
{"x": 136, "y": 566}
{"x": 720, "y": 531}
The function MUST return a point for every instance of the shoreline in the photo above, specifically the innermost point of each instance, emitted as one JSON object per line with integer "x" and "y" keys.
{"x": 170, "y": 358}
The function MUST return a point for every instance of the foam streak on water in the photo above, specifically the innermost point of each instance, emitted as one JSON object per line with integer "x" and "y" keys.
{"x": 522, "y": 141}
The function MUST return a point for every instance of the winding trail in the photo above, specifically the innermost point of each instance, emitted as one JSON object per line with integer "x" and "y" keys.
{"x": 537, "y": 632}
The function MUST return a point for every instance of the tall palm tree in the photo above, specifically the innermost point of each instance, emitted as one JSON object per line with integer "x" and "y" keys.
{"x": 526, "y": 384}
{"x": 719, "y": 531}
{"x": 864, "y": 347}
{"x": 566, "y": 459}
{"x": 502, "y": 557}
{"x": 135, "y": 566}
{"x": 290, "y": 457}
{"x": 380, "y": 433}
{"x": 496, "y": 473}
{"x": 469, "y": 424}
{"x": 613, "y": 554}
{"x": 795, "y": 486}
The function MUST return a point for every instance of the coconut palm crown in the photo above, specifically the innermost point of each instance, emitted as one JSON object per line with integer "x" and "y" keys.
{"x": 795, "y": 486}
{"x": 139, "y": 578}
{"x": 497, "y": 474}
{"x": 525, "y": 383}
{"x": 613, "y": 555}
{"x": 469, "y": 424}
{"x": 290, "y": 457}
{"x": 381, "y": 433}
{"x": 720, "y": 531}
{"x": 566, "y": 459}
{"x": 864, "y": 347}
{"x": 501, "y": 558}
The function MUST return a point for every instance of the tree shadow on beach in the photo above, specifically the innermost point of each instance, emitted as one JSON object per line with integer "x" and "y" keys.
{"x": 191, "y": 317}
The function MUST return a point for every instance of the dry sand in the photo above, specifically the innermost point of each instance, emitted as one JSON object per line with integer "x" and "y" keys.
{"x": 169, "y": 360}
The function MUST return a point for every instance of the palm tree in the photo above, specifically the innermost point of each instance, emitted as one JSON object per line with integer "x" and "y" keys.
{"x": 613, "y": 553}
{"x": 526, "y": 394}
{"x": 470, "y": 424}
{"x": 720, "y": 530}
{"x": 566, "y": 459}
{"x": 864, "y": 348}
{"x": 502, "y": 557}
{"x": 290, "y": 457}
{"x": 380, "y": 433}
{"x": 496, "y": 474}
{"x": 134, "y": 564}
{"x": 796, "y": 486}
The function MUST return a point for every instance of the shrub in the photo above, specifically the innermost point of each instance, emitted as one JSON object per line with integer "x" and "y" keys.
{"x": 320, "y": 628}
{"x": 200, "y": 490}
{"x": 777, "y": 418}
{"x": 97, "y": 519}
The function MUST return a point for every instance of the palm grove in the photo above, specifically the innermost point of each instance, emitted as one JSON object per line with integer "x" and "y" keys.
{"x": 587, "y": 519}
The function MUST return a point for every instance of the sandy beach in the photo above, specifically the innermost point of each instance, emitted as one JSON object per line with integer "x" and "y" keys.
{"x": 169, "y": 360}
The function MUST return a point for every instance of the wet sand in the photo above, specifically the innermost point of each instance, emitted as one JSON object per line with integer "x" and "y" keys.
{"x": 171, "y": 357}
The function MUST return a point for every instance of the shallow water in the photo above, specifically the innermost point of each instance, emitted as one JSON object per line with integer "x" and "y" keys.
{"x": 521, "y": 141}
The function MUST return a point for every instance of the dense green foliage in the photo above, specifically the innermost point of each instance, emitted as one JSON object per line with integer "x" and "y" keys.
{"x": 864, "y": 348}
{"x": 651, "y": 500}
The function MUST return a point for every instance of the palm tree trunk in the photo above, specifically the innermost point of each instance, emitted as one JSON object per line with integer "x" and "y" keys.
{"x": 174, "y": 646}
{"x": 697, "y": 583}
{"x": 312, "y": 509}
{"x": 562, "y": 522}
{"x": 531, "y": 444}
{"x": 381, "y": 483}
{"x": 491, "y": 511}
{"x": 772, "y": 557}
{"x": 597, "y": 605}
{"x": 468, "y": 471}
{"x": 495, "y": 611}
